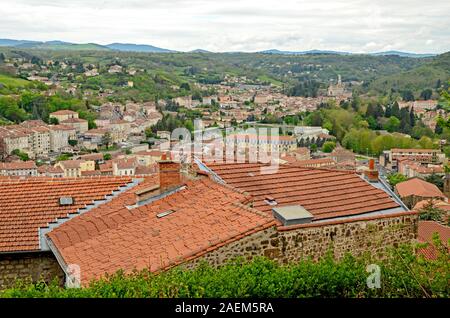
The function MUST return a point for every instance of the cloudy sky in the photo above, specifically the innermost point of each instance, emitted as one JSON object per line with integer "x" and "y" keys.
{"x": 236, "y": 25}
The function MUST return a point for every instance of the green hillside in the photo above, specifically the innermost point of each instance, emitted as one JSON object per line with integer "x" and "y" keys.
{"x": 417, "y": 79}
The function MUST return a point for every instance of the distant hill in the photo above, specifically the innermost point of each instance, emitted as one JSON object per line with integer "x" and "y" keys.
{"x": 128, "y": 47}
{"x": 416, "y": 79}
{"x": 61, "y": 45}
{"x": 200, "y": 51}
{"x": 403, "y": 54}
{"x": 51, "y": 45}
{"x": 275, "y": 51}
{"x": 8, "y": 42}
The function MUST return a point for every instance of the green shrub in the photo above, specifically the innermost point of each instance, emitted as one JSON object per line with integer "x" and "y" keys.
{"x": 403, "y": 274}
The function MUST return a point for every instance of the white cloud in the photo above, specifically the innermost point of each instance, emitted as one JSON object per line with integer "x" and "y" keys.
{"x": 251, "y": 25}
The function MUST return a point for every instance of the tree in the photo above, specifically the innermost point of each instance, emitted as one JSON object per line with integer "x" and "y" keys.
{"x": 408, "y": 96}
{"x": 430, "y": 212}
{"x": 426, "y": 94}
{"x": 393, "y": 124}
{"x": 22, "y": 155}
{"x": 2, "y": 57}
{"x": 396, "y": 178}
{"x": 107, "y": 156}
{"x": 328, "y": 146}
{"x": 435, "y": 179}
{"x": 185, "y": 86}
{"x": 107, "y": 139}
{"x": 53, "y": 121}
{"x": 388, "y": 111}
{"x": 313, "y": 147}
{"x": 396, "y": 110}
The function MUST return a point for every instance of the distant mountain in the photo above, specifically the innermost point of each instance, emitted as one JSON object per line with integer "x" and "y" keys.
{"x": 128, "y": 47}
{"x": 50, "y": 45}
{"x": 403, "y": 54}
{"x": 200, "y": 51}
{"x": 275, "y": 51}
{"x": 9, "y": 42}
{"x": 61, "y": 45}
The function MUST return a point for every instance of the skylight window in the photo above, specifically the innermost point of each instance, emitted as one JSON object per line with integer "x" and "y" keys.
{"x": 165, "y": 213}
{"x": 65, "y": 201}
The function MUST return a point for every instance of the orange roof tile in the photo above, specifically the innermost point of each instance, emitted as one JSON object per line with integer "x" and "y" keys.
{"x": 31, "y": 203}
{"x": 425, "y": 235}
{"x": 418, "y": 187}
{"x": 324, "y": 193}
{"x": 205, "y": 216}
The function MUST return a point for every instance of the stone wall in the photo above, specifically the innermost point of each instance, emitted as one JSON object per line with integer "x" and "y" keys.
{"x": 26, "y": 266}
{"x": 290, "y": 244}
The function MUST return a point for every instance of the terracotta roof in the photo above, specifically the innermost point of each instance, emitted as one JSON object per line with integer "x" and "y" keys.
{"x": 92, "y": 156}
{"x": 418, "y": 187}
{"x": 71, "y": 164}
{"x": 315, "y": 162}
{"x": 31, "y": 203}
{"x": 205, "y": 215}
{"x": 437, "y": 203}
{"x": 74, "y": 120}
{"x": 63, "y": 112}
{"x": 425, "y": 235}
{"x": 18, "y": 165}
{"x": 324, "y": 193}
{"x": 414, "y": 150}
{"x": 49, "y": 169}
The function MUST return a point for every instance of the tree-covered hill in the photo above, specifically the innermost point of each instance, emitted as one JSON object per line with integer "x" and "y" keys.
{"x": 426, "y": 76}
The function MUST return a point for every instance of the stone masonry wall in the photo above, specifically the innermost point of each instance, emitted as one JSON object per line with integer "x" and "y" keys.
{"x": 290, "y": 245}
{"x": 34, "y": 266}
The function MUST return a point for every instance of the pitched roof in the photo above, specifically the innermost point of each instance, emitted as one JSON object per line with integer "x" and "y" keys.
{"x": 418, "y": 187}
{"x": 205, "y": 216}
{"x": 31, "y": 203}
{"x": 63, "y": 112}
{"x": 425, "y": 235}
{"x": 18, "y": 165}
{"x": 324, "y": 193}
{"x": 74, "y": 120}
{"x": 414, "y": 150}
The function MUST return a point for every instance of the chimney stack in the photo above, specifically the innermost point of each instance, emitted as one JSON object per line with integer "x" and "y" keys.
{"x": 169, "y": 174}
{"x": 372, "y": 173}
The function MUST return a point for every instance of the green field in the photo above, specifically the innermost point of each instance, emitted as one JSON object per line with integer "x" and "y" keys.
{"x": 12, "y": 82}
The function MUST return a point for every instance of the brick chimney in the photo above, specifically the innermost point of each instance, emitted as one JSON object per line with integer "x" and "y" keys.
{"x": 372, "y": 173}
{"x": 169, "y": 174}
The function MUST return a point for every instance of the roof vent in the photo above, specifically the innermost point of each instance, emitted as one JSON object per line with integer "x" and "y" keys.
{"x": 292, "y": 215}
{"x": 270, "y": 200}
{"x": 65, "y": 201}
{"x": 165, "y": 213}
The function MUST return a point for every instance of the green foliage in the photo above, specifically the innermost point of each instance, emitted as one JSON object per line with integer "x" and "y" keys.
{"x": 328, "y": 146}
{"x": 403, "y": 274}
{"x": 430, "y": 212}
{"x": 22, "y": 155}
{"x": 396, "y": 178}
{"x": 107, "y": 156}
{"x": 63, "y": 157}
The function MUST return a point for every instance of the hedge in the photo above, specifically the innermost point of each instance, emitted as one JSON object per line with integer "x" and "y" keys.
{"x": 404, "y": 273}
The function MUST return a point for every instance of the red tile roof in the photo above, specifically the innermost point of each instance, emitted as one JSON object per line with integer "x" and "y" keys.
{"x": 28, "y": 204}
{"x": 206, "y": 215}
{"x": 418, "y": 187}
{"x": 425, "y": 235}
{"x": 18, "y": 165}
{"x": 324, "y": 193}
{"x": 64, "y": 112}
